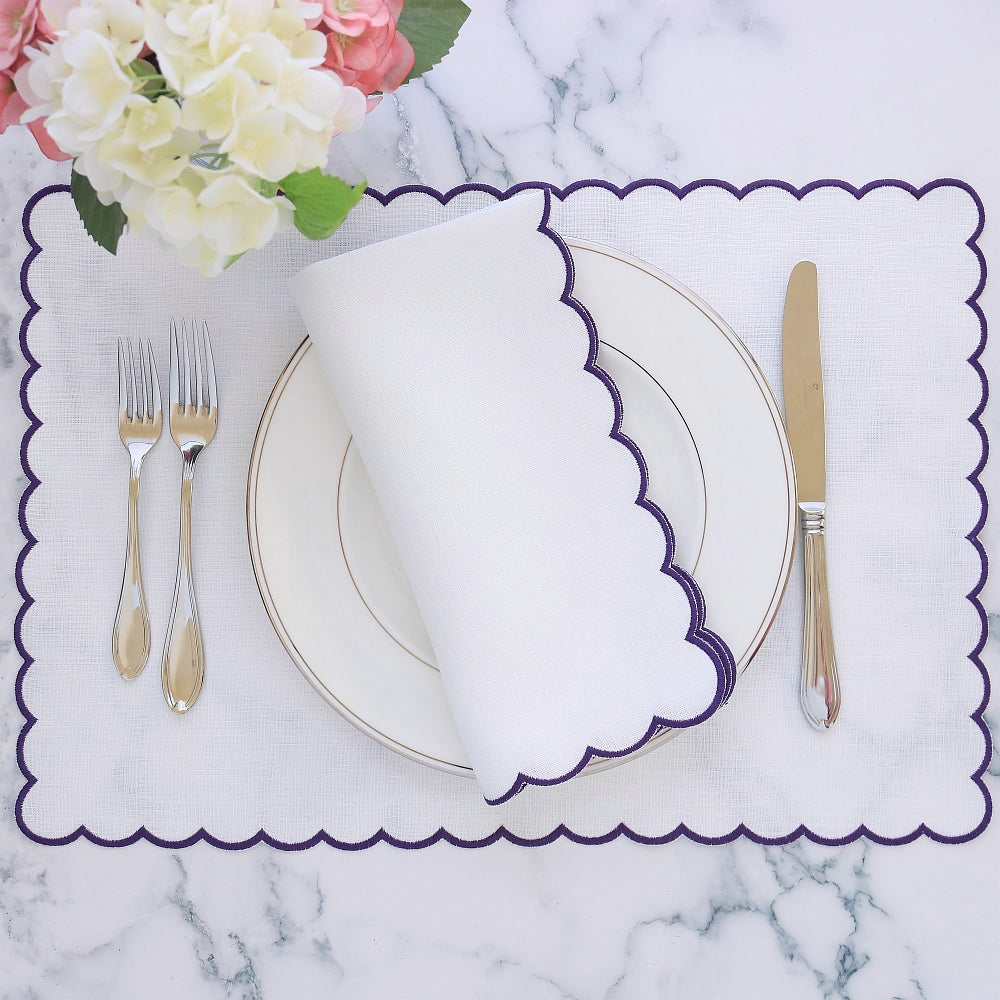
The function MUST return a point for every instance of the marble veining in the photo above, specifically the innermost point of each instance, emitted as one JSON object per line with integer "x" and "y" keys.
{"x": 557, "y": 91}
{"x": 832, "y": 892}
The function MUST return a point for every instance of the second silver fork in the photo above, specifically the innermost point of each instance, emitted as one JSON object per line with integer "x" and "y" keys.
{"x": 194, "y": 416}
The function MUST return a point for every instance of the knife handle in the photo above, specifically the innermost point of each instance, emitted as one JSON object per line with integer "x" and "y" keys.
{"x": 820, "y": 693}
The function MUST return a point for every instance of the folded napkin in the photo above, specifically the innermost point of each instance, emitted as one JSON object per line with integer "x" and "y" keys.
{"x": 470, "y": 380}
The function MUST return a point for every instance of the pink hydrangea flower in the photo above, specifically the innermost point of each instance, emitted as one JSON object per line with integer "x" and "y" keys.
{"x": 17, "y": 27}
{"x": 22, "y": 23}
{"x": 354, "y": 17}
{"x": 363, "y": 46}
{"x": 12, "y": 105}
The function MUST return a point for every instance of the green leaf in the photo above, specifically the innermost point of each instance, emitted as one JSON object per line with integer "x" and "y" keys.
{"x": 321, "y": 201}
{"x": 152, "y": 79}
{"x": 431, "y": 27}
{"x": 143, "y": 67}
{"x": 104, "y": 223}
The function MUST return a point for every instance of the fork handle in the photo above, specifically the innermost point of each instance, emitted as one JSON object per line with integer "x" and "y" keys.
{"x": 130, "y": 643}
{"x": 184, "y": 652}
{"x": 820, "y": 691}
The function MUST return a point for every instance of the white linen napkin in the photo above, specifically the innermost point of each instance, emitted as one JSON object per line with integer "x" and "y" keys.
{"x": 469, "y": 378}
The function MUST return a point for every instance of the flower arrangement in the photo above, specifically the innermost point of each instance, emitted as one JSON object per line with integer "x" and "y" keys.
{"x": 204, "y": 125}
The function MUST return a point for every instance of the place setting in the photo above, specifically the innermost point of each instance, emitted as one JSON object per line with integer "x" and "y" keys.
{"x": 577, "y": 510}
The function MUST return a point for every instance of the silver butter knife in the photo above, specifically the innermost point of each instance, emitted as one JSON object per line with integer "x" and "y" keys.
{"x": 804, "y": 417}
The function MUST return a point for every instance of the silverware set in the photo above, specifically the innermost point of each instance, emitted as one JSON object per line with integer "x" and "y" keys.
{"x": 193, "y": 418}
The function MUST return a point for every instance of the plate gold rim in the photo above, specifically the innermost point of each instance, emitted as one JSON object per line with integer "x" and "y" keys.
{"x": 599, "y": 764}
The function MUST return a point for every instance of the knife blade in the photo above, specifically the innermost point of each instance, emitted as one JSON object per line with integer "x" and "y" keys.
{"x": 802, "y": 376}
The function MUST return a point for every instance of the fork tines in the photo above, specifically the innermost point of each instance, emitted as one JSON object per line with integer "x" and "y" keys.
{"x": 192, "y": 385}
{"x": 138, "y": 388}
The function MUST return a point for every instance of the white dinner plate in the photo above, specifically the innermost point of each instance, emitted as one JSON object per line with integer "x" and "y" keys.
{"x": 719, "y": 466}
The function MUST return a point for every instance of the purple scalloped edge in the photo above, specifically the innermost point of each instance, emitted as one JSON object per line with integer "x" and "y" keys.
{"x": 561, "y": 831}
{"x": 697, "y": 634}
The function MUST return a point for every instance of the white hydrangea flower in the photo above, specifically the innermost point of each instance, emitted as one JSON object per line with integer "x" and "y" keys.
{"x": 207, "y": 217}
{"x": 39, "y": 80}
{"x": 121, "y": 22}
{"x": 309, "y": 10}
{"x": 236, "y": 218}
{"x": 150, "y": 124}
{"x": 167, "y": 215}
{"x": 151, "y": 148}
{"x": 241, "y": 98}
{"x": 56, "y": 12}
{"x": 215, "y": 110}
{"x": 263, "y": 144}
{"x": 200, "y": 255}
{"x": 316, "y": 97}
{"x": 80, "y": 86}
{"x": 105, "y": 178}
{"x": 179, "y": 33}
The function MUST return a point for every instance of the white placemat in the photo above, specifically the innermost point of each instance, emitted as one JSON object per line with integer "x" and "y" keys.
{"x": 262, "y": 757}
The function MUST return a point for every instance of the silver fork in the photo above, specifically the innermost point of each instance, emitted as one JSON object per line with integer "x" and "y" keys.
{"x": 139, "y": 424}
{"x": 194, "y": 416}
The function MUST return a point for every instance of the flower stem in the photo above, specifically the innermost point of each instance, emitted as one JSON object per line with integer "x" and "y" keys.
{"x": 211, "y": 158}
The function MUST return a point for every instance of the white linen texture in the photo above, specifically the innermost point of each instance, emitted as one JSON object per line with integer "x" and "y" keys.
{"x": 262, "y": 754}
{"x": 538, "y": 577}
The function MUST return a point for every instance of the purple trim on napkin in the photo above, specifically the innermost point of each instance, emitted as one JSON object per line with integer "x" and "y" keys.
{"x": 501, "y": 833}
{"x": 697, "y": 633}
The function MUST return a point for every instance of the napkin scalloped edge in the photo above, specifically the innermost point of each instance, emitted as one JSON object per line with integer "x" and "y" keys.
{"x": 501, "y": 833}
{"x": 697, "y": 634}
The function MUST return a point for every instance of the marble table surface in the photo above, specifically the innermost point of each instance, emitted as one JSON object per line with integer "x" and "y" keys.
{"x": 557, "y": 90}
